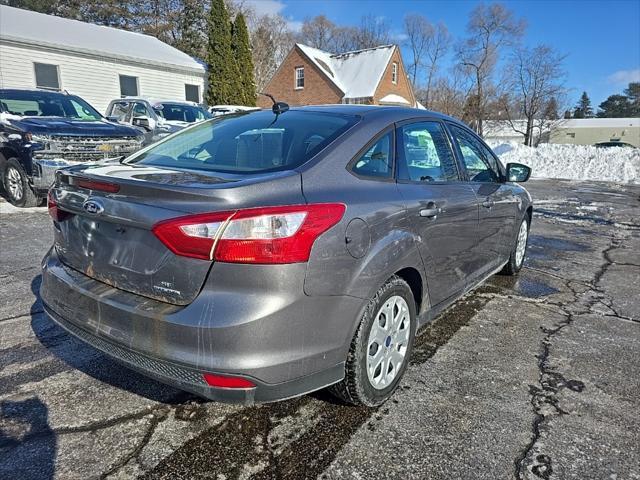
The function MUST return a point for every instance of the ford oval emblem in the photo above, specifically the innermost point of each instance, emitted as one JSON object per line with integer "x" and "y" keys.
{"x": 93, "y": 207}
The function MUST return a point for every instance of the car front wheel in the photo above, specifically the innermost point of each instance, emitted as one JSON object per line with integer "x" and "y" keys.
{"x": 381, "y": 347}
{"x": 16, "y": 185}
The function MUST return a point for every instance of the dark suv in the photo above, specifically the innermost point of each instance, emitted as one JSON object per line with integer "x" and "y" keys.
{"x": 42, "y": 131}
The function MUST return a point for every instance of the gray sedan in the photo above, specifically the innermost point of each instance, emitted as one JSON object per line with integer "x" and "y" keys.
{"x": 259, "y": 256}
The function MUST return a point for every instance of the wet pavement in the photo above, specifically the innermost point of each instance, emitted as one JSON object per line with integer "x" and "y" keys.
{"x": 529, "y": 377}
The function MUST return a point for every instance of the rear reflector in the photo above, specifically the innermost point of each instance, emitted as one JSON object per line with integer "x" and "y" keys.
{"x": 223, "y": 381}
{"x": 268, "y": 235}
{"x": 96, "y": 185}
{"x": 55, "y": 212}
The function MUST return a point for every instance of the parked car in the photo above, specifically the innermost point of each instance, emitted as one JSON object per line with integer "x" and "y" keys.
{"x": 613, "y": 144}
{"x": 156, "y": 118}
{"x": 226, "y": 109}
{"x": 260, "y": 256}
{"x": 42, "y": 131}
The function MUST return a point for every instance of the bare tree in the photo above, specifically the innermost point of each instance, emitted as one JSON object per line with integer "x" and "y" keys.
{"x": 318, "y": 32}
{"x": 490, "y": 29}
{"x": 448, "y": 94}
{"x": 534, "y": 79}
{"x": 436, "y": 49}
{"x": 372, "y": 32}
{"x": 419, "y": 32}
{"x": 271, "y": 41}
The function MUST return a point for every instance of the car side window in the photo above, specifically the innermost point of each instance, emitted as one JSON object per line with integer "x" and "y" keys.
{"x": 377, "y": 161}
{"x": 424, "y": 153}
{"x": 481, "y": 166}
{"x": 119, "y": 110}
{"x": 140, "y": 110}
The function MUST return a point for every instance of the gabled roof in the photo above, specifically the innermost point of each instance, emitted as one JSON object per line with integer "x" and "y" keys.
{"x": 38, "y": 29}
{"x": 356, "y": 74}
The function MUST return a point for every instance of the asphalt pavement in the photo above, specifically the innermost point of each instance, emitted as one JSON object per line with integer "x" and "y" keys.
{"x": 533, "y": 377}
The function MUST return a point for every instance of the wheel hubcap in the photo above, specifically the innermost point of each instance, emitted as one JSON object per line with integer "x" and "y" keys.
{"x": 388, "y": 341}
{"x": 522, "y": 243}
{"x": 14, "y": 183}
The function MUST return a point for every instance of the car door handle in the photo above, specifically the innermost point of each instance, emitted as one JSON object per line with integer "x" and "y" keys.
{"x": 430, "y": 212}
{"x": 488, "y": 203}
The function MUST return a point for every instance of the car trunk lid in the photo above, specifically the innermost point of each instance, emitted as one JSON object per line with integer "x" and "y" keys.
{"x": 111, "y": 240}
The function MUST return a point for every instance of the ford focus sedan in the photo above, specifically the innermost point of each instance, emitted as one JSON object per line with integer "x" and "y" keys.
{"x": 263, "y": 255}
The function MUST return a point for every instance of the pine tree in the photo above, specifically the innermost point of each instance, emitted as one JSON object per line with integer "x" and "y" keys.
{"x": 222, "y": 68}
{"x": 192, "y": 27}
{"x": 632, "y": 92}
{"x": 583, "y": 108}
{"x": 615, "y": 106}
{"x": 242, "y": 54}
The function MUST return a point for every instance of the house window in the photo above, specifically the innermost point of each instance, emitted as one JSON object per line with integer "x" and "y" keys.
{"x": 571, "y": 134}
{"x": 394, "y": 73}
{"x": 192, "y": 93}
{"x": 47, "y": 76}
{"x": 128, "y": 86}
{"x": 299, "y": 78}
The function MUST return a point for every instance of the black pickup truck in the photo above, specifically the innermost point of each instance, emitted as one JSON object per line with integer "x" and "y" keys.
{"x": 42, "y": 131}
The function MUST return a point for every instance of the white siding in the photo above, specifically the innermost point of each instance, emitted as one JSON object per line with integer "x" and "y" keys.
{"x": 94, "y": 79}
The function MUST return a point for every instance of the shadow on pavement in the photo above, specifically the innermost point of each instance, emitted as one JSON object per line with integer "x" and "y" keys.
{"x": 25, "y": 433}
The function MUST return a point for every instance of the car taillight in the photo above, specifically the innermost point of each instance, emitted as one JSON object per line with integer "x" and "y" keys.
{"x": 55, "y": 212}
{"x": 256, "y": 235}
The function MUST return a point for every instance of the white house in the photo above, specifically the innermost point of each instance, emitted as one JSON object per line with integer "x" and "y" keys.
{"x": 95, "y": 62}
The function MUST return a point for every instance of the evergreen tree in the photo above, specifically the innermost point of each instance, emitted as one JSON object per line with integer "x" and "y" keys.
{"x": 242, "y": 54}
{"x": 551, "y": 110}
{"x": 222, "y": 68}
{"x": 583, "y": 108}
{"x": 616, "y": 106}
{"x": 632, "y": 92}
{"x": 192, "y": 29}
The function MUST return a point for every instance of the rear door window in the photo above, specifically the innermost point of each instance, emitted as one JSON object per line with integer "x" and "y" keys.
{"x": 249, "y": 142}
{"x": 377, "y": 161}
{"x": 424, "y": 153}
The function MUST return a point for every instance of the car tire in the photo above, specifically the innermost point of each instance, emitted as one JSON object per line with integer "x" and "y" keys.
{"x": 16, "y": 186}
{"x": 518, "y": 252}
{"x": 361, "y": 385}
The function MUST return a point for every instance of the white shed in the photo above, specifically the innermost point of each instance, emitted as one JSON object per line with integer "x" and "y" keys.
{"x": 95, "y": 62}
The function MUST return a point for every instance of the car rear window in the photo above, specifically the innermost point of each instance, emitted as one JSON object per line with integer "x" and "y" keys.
{"x": 248, "y": 142}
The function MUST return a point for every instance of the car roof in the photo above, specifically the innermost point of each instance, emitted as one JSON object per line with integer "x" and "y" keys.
{"x": 394, "y": 114}
{"x": 154, "y": 101}
{"x": 34, "y": 90}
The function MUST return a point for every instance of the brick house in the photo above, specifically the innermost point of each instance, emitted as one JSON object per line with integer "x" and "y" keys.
{"x": 308, "y": 76}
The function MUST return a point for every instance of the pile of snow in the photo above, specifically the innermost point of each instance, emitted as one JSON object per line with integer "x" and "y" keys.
{"x": 574, "y": 162}
{"x": 6, "y": 208}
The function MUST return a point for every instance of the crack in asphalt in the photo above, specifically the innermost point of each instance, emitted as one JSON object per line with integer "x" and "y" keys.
{"x": 14, "y": 317}
{"x": 550, "y": 381}
{"x": 158, "y": 416}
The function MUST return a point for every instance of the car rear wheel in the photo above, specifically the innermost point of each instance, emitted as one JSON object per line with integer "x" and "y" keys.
{"x": 381, "y": 347}
{"x": 16, "y": 185}
{"x": 516, "y": 259}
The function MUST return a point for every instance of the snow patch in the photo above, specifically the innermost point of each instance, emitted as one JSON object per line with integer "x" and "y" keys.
{"x": 8, "y": 209}
{"x": 573, "y": 162}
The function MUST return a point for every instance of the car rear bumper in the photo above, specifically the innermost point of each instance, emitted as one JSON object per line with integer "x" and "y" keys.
{"x": 287, "y": 346}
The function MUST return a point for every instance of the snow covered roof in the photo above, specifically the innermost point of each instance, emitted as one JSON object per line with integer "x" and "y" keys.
{"x": 24, "y": 26}
{"x": 393, "y": 98}
{"x": 599, "y": 122}
{"x": 356, "y": 73}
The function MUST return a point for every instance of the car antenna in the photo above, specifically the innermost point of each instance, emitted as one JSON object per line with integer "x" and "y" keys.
{"x": 278, "y": 107}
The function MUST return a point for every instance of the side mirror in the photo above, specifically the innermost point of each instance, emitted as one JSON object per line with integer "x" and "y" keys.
{"x": 517, "y": 172}
{"x": 113, "y": 118}
{"x": 141, "y": 122}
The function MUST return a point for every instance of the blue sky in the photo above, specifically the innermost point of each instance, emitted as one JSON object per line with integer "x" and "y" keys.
{"x": 600, "y": 38}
